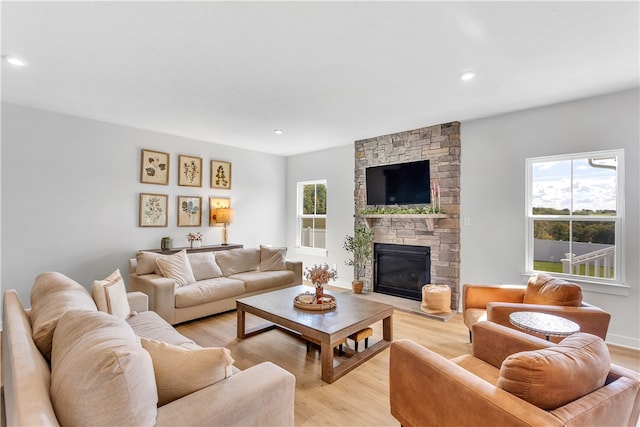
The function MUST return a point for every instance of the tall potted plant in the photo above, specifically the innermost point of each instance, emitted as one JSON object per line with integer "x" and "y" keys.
{"x": 359, "y": 246}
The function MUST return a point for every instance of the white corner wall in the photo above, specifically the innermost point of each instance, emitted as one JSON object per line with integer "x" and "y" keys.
{"x": 70, "y": 191}
{"x": 493, "y": 191}
{"x": 336, "y": 165}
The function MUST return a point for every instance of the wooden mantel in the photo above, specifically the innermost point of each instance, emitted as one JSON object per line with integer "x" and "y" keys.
{"x": 429, "y": 218}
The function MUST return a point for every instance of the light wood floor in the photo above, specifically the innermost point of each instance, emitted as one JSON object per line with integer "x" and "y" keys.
{"x": 361, "y": 397}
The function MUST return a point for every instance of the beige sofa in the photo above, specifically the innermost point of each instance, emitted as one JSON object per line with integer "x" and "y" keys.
{"x": 66, "y": 363}
{"x": 219, "y": 279}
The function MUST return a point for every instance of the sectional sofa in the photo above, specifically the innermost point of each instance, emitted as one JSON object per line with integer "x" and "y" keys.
{"x": 103, "y": 359}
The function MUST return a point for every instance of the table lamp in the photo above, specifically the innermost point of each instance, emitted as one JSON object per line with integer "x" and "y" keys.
{"x": 224, "y": 216}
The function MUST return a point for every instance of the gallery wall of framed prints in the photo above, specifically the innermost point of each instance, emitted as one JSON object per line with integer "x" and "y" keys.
{"x": 153, "y": 210}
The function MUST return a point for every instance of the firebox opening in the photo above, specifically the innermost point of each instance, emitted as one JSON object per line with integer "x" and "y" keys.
{"x": 401, "y": 270}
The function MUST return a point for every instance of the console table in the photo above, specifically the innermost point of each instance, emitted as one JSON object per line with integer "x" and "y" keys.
{"x": 208, "y": 248}
{"x": 543, "y": 323}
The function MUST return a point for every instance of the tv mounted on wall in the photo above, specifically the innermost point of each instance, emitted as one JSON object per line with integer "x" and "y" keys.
{"x": 399, "y": 184}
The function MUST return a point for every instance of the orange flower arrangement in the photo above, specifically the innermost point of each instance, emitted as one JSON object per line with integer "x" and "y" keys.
{"x": 320, "y": 274}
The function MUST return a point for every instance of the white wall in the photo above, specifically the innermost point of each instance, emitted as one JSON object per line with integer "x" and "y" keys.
{"x": 70, "y": 190}
{"x": 336, "y": 166}
{"x": 493, "y": 191}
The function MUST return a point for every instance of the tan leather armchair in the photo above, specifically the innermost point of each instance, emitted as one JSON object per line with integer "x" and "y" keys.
{"x": 496, "y": 302}
{"x": 429, "y": 390}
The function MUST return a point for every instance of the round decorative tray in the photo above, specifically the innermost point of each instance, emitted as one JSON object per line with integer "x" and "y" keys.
{"x": 307, "y": 301}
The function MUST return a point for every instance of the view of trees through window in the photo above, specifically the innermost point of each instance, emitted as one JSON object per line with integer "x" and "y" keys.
{"x": 313, "y": 215}
{"x": 574, "y": 214}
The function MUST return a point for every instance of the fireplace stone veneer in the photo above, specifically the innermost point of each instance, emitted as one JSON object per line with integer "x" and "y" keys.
{"x": 440, "y": 144}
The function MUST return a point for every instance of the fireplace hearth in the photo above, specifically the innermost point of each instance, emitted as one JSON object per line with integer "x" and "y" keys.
{"x": 401, "y": 270}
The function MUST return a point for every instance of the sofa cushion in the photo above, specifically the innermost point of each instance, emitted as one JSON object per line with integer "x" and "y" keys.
{"x": 146, "y": 263}
{"x": 110, "y": 295}
{"x": 260, "y": 280}
{"x": 552, "y": 377}
{"x": 204, "y": 266}
{"x": 205, "y": 291}
{"x": 545, "y": 289}
{"x": 100, "y": 374}
{"x": 180, "y": 371}
{"x": 272, "y": 259}
{"x": 176, "y": 267}
{"x": 238, "y": 260}
{"x": 52, "y": 295}
{"x": 149, "y": 324}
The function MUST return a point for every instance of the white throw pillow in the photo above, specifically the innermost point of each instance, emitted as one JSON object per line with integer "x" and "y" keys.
{"x": 100, "y": 374}
{"x": 110, "y": 295}
{"x": 272, "y": 259}
{"x": 146, "y": 263}
{"x": 180, "y": 371}
{"x": 176, "y": 267}
{"x": 204, "y": 265}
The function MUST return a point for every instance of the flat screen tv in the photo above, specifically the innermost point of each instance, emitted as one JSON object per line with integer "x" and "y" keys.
{"x": 399, "y": 184}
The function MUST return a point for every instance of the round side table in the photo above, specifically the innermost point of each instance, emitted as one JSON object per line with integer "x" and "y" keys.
{"x": 543, "y": 323}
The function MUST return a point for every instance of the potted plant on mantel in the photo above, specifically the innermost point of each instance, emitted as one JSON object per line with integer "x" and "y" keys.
{"x": 359, "y": 246}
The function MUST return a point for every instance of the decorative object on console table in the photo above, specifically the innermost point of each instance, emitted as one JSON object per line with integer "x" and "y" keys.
{"x": 359, "y": 245}
{"x": 153, "y": 210}
{"x": 319, "y": 275}
{"x": 189, "y": 171}
{"x": 224, "y": 216}
{"x": 165, "y": 243}
{"x": 220, "y": 174}
{"x": 154, "y": 167}
{"x": 189, "y": 211}
{"x": 195, "y": 239}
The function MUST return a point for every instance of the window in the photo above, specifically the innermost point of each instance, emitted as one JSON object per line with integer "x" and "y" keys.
{"x": 312, "y": 216}
{"x": 575, "y": 215}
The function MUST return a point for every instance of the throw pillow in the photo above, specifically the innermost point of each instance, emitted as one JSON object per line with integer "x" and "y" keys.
{"x": 554, "y": 376}
{"x": 52, "y": 295}
{"x": 180, "y": 371}
{"x": 272, "y": 259}
{"x": 146, "y": 263}
{"x": 176, "y": 267}
{"x": 100, "y": 374}
{"x": 545, "y": 289}
{"x": 204, "y": 265}
{"x": 236, "y": 261}
{"x": 110, "y": 295}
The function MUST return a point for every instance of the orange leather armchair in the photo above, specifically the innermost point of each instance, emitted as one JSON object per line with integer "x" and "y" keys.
{"x": 496, "y": 302}
{"x": 425, "y": 389}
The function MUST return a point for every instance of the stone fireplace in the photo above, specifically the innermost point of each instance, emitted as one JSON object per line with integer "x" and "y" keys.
{"x": 440, "y": 144}
{"x": 401, "y": 270}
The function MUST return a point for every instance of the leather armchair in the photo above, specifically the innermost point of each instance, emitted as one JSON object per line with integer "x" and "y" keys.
{"x": 496, "y": 302}
{"x": 429, "y": 390}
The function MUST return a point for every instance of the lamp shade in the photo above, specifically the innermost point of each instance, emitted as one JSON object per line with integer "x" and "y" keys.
{"x": 224, "y": 215}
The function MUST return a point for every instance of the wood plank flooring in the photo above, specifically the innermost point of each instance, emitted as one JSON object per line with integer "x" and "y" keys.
{"x": 360, "y": 398}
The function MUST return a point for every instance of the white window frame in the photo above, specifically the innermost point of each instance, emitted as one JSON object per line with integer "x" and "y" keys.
{"x": 618, "y": 219}
{"x": 308, "y": 250}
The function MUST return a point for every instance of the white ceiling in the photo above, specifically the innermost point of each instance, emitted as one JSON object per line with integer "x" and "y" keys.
{"x": 328, "y": 73}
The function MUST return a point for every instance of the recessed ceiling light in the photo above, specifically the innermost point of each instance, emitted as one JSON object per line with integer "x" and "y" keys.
{"x": 14, "y": 60}
{"x": 278, "y": 131}
{"x": 467, "y": 75}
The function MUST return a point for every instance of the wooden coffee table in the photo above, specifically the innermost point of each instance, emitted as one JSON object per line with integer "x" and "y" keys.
{"x": 327, "y": 327}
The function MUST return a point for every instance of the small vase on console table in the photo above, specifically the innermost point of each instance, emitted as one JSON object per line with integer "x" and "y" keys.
{"x": 319, "y": 294}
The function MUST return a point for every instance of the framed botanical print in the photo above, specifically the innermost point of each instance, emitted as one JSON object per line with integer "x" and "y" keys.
{"x": 189, "y": 211}
{"x": 190, "y": 171}
{"x": 154, "y": 168}
{"x": 220, "y": 174}
{"x": 153, "y": 210}
{"x": 215, "y": 203}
